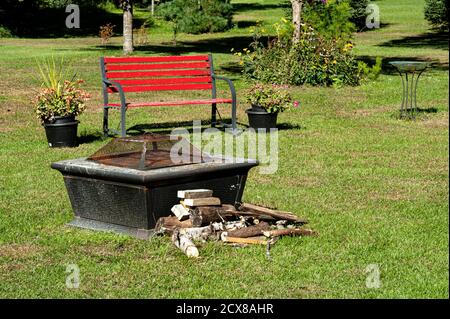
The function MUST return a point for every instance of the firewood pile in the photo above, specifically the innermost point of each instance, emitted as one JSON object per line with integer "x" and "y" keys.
{"x": 200, "y": 217}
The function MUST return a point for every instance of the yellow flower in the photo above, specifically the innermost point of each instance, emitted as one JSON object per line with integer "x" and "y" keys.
{"x": 241, "y": 62}
{"x": 334, "y": 61}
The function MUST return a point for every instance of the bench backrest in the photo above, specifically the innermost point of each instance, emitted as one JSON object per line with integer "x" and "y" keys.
{"x": 159, "y": 73}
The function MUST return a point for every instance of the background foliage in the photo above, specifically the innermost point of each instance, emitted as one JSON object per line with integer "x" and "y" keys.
{"x": 436, "y": 13}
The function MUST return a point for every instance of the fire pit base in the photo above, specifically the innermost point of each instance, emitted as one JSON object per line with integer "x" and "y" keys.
{"x": 96, "y": 225}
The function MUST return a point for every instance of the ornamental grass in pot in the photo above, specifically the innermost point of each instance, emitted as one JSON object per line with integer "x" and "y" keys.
{"x": 267, "y": 100}
{"x": 57, "y": 103}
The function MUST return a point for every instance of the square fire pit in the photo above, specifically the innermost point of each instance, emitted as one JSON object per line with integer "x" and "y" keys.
{"x": 132, "y": 181}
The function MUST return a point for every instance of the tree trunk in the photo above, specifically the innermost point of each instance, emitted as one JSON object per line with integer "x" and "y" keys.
{"x": 127, "y": 6}
{"x": 296, "y": 19}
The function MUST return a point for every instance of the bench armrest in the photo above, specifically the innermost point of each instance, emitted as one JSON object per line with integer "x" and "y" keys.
{"x": 233, "y": 99}
{"x": 230, "y": 84}
{"x": 119, "y": 88}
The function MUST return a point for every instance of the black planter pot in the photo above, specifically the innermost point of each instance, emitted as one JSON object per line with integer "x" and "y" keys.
{"x": 260, "y": 118}
{"x": 62, "y": 131}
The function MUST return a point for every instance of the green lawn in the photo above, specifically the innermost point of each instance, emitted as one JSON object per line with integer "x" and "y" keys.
{"x": 374, "y": 187}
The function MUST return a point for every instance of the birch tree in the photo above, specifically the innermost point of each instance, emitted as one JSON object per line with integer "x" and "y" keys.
{"x": 297, "y": 6}
{"x": 127, "y": 6}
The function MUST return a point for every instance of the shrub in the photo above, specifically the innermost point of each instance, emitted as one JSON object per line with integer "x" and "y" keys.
{"x": 140, "y": 35}
{"x": 314, "y": 60}
{"x": 358, "y": 12}
{"x": 4, "y": 32}
{"x": 330, "y": 19}
{"x": 197, "y": 16}
{"x": 106, "y": 32}
{"x": 436, "y": 13}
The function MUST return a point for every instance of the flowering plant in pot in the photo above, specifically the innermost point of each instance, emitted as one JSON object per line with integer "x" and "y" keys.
{"x": 267, "y": 100}
{"x": 59, "y": 100}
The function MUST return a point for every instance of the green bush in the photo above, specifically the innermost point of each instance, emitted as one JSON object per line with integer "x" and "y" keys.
{"x": 4, "y": 32}
{"x": 358, "y": 12}
{"x": 197, "y": 16}
{"x": 314, "y": 60}
{"x": 436, "y": 13}
{"x": 330, "y": 19}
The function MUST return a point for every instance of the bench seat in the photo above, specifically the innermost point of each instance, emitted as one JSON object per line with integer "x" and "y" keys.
{"x": 173, "y": 103}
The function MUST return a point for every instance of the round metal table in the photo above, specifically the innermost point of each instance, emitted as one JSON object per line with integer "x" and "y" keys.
{"x": 410, "y": 72}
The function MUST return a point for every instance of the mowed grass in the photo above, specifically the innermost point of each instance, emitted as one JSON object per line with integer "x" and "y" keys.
{"x": 374, "y": 187}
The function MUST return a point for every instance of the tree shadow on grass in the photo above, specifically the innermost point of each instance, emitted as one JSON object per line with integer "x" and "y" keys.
{"x": 214, "y": 45}
{"x": 435, "y": 40}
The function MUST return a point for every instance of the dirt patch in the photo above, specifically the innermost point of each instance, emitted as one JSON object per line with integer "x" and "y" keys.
{"x": 19, "y": 251}
{"x": 436, "y": 122}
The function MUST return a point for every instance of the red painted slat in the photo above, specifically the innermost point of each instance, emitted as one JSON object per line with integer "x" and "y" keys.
{"x": 174, "y": 103}
{"x": 122, "y": 75}
{"x": 156, "y": 59}
{"x": 162, "y": 81}
{"x": 179, "y": 87}
{"x": 157, "y": 66}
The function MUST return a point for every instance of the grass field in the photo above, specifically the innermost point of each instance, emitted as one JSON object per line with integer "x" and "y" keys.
{"x": 374, "y": 187}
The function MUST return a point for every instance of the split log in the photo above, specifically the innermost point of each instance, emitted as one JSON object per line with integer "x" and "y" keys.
{"x": 194, "y": 193}
{"x": 184, "y": 243}
{"x": 166, "y": 225}
{"x": 238, "y": 240}
{"x": 180, "y": 211}
{"x": 199, "y": 233}
{"x": 250, "y": 231}
{"x": 201, "y": 201}
{"x": 276, "y": 214}
{"x": 205, "y": 215}
{"x": 235, "y": 225}
{"x": 293, "y": 232}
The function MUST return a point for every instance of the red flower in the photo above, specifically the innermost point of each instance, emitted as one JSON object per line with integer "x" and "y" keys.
{"x": 296, "y": 104}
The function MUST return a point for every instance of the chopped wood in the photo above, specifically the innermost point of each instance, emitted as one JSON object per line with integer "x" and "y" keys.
{"x": 192, "y": 202}
{"x": 205, "y": 215}
{"x": 199, "y": 233}
{"x": 184, "y": 243}
{"x": 250, "y": 231}
{"x": 277, "y": 214}
{"x": 238, "y": 240}
{"x": 235, "y": 225}
{"x": 180, "y": 212}
{"x": 294, "y": 232}
{"x": 194, "y": 193}
{"x": 168, "y": 224}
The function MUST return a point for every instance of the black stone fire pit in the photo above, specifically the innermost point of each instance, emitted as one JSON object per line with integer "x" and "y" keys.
{"x": 132, "y": 181}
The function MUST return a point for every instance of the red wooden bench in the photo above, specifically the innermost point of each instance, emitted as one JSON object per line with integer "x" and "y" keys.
{"x": 161, "y": 73}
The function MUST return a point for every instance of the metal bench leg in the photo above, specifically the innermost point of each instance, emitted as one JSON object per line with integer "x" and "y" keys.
{"x": 123, "y": 127}
{"x": 233, "y": 115}
{"x": 213, "y": 115}
{"x": 105, "y": 121}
